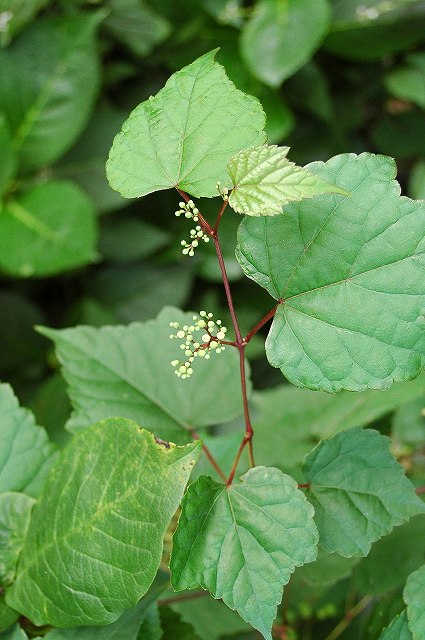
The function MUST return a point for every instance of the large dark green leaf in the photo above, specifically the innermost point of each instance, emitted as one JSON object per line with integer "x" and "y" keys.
{"x": 126, "y": 371}
{"x": 26, "y": 453}
{"x": 185, "y": 135}
{"x": 15, "y": 15}
{"x": 359, "y": 491}
{"x": 243, "y": 542}
{"x": 282, "y": 36}
{"x": 108, "y": 500}
{"x": 326, "y": 261}
{"x": 48, "y": 84}
{"x": 47, "y": 230}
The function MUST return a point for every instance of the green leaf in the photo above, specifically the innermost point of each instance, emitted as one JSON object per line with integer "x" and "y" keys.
{"x": 26, "y": 453}
{"x": 359, "y": 491}
{"x": 15, "y": 633}
{"x": 282, "y": 36}
{"x": 48, "y": 86}
{"x": 326, "y": 261}
{"x": 243, "y": 542}
{"x": 408, "y": 424}
{"x": 174, "y": 628}
{"x": 398, "y": 629}
{"x": 417, "y": 180}
{"x": 151, "y": 625}
{"x": 125, "y": 628}
{"x": 15, "y": 15}
{"x": 408, "y": 82}
{"x": 8, "y": 157}
{"x": 391, "y": 559}
{"x": 7, "y": 615}
{"x": 15, "y": 516}
{"x": 414, "y": 597}
{"x": 373, "y": 29}
{"x": 184, "y": 136}
{"x": 47, "y": 230}
{"x": 126, "y": 371}
{"x": 136, "y": 26}
{"x": 286, "y": 418}
{"x": 109, "y": 498}
{"x": 264, "y": 180}
{"x": 128, "y": 238}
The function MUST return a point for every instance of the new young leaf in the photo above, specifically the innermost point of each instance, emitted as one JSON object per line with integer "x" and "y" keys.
{"x": 359, "y": 491}
{"x": 264, "y": 180}
{"x": 243, "y": 542}
{"x": 185, "y": 135}
{"x": 109, "y": 498}
{"x": 349, "y": 273}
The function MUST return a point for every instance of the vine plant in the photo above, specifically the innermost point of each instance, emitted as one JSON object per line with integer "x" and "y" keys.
{"x": 343, "y": 257}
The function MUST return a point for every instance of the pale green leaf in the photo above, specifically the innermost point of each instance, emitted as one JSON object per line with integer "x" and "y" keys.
{"x": 359, "y": 491}
{"x": 282, "y": 36}
{"x": 243, "y": 542}
{"x": 8, "y": 157}
{"x": 126, "y": 371}
{"x": 326, "y": 261}
{"x": 26, "y": 453}
{"x": 47, "y": 230}
{"x": 185, "y": 135}
{"x": 264, "y": 180}
{"x": 408, "y": 423}
{"x": 15, "y": 516}
{"x": 109, "y": 499}
{"x": 398, "y": 629}
{"x": 414, "y": 597}
{"x": 48, "y": 84}
{"x": 408, "y": 82}
{"x": 127, "y": 626}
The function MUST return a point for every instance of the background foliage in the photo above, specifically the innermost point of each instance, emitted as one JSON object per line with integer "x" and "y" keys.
{"x": 333, "y": 77}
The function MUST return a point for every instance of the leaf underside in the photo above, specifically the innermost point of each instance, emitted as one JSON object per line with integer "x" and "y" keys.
{"x": 349, "y": 273}
{"x": 359, "y": 491}
{"x": 244, "y": 542}
{"x": 185, "y": 135}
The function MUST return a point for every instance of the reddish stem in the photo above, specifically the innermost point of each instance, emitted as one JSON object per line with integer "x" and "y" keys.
{"x": 182, "y": 598}
{"x": 304, "y": 486}
{"x": 219, "y": 216}
{"x": 239, "y": 343}
{"x": 420, "y": 490}
{"x": 210, "y": 457}
{"x": 260, "y": 324}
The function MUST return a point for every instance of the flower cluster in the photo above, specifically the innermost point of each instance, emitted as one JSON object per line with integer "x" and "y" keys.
{"x": 213, "y": 333}
{"x": 189, "y": 210}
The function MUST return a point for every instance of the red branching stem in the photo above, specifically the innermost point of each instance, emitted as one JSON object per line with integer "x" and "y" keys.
{"x": 239, "y": 343}
{"x": 210, "y": 457}
{"x": 420, "y": 490}
{"x": 260, "y": 324}
{"x": 219, "y": 216}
